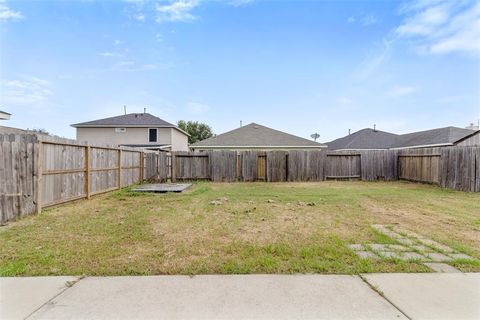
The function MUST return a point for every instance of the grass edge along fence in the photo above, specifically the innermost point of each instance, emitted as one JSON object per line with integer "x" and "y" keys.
{"x": 40, "y": 171}
{"x": 450, "y": 167}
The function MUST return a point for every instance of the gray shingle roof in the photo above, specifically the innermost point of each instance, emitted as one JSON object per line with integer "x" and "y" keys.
{"x": 364, "y": 139}
{"x": 255, "y": 135}
{"x": 131, "y": 119}
{"x": 447, "y": 135}
{"x": 5, "y": 112}
{"x": 370, "y": 139}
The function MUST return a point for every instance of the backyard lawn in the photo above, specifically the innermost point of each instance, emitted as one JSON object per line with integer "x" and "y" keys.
{"x": 240, "y": 228}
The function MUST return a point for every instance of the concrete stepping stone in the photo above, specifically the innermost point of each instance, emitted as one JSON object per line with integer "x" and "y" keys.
{"x": 441, "y": 267}
{"x": 389, "y": 254}
{"x": 405, "y": 241}
{"x": 397, "y": 247}
{"x": 437, "y": 257}
{"x": 378, "y": 247}
{"x": 366, "y": 255}
{"x": 412, "y": 256}
{"x": 461, "y": 256}
{"x": 436, "y": 245}
{"x": 421, "y": 248}
{"x": 356, "y": 247}
{"x": 383, "y": 229}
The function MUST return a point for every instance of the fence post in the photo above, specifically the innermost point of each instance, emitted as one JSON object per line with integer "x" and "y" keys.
{"x": 38, "y": 177}
{"x": 286, "y": 166}
{"x": 141, "y": 167}
{"x": 119, "y": 172}
{"x": 87, "y": 171}
{"x": 172, "y": 167}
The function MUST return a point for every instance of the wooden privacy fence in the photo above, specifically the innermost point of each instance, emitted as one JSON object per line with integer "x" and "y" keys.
{"x": 451, "y": 167}
{"x": 277, "y": 166}
{"x": 38, "y": 172}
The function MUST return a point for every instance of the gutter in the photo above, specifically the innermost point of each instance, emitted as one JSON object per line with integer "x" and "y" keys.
{"x": 425, "y": 146}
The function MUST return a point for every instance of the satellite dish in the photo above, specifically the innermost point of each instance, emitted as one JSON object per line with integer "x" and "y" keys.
{"x": 315, "y": 136}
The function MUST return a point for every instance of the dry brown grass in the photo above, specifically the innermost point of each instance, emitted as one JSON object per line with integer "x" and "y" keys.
{"x": 254, "y": 228}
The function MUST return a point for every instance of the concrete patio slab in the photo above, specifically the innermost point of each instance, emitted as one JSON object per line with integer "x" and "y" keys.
{"x": 221, "y": 297}
{"x": 162, "y": 187}
{"x": 431, "y": 295}
{"x": 20, "y": 297}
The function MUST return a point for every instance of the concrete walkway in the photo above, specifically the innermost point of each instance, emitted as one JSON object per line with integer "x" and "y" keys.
{"x": 372, "y": 296}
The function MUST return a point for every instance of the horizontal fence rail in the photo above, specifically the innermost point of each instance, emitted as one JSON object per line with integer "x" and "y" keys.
{"x": 38, "y": 172}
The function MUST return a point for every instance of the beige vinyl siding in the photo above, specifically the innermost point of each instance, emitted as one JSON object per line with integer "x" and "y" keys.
{"x": 131, "y": 136}
{"x": 179, "y": 140}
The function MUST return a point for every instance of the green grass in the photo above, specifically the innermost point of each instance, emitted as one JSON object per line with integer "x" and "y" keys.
{"x": 257, "y": 228}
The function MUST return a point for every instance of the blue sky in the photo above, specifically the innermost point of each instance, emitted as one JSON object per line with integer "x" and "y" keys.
{"x": 297, "y": 66}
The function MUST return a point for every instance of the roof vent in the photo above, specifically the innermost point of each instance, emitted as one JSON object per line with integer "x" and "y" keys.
{"x": 256, "y": 127}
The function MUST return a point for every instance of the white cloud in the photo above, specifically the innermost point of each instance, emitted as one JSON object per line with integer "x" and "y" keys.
{"x": 400, "y": 91}
{"x": 7, "y": 14}
{"x": 237, "y": 3}
{"x": 176, "y": 11}
{"x": 106, "y": 54}
{"x": 364, "y": 21}
{"x": 440, "y": 27}
{"x": 139, "y": 17}
{"x": 197, "y": 108}
{"x": 27, "y": 91}
{"x": 171, "y": 10}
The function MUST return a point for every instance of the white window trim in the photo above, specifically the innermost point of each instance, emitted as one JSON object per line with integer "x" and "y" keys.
{"x": 148, "y": 134}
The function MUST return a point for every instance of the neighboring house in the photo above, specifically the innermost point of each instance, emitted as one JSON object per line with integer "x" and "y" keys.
{"x": 369, "y": 139}
{"x": 4, "y": 115}
{"x": 365, "y": 139}
{"x": 256, "y": 137}
{"x": 137, "y": 130}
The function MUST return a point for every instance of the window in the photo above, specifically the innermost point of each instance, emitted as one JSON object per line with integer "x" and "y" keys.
{"x": 120, "y": 130}
{"x": 152, "y": 135}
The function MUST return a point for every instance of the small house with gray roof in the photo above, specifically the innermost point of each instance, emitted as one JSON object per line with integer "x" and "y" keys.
{"x": 371, "y": 139}
{"x": 256, "y": 137}
{"x": 136, "y": 130}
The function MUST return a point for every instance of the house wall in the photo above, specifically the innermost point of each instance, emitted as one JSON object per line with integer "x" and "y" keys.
{"x": 471, "y": 141}
{"x": 132, "y": 136}
{"x": 179, "y": 141}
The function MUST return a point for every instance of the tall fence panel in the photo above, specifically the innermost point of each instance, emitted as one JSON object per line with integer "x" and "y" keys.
{"x": 223, "y": 166}
{"x": 131, "y": 165}
{"x": 164, "y": 166}
{"x": 63, "y": 172}
{"x": 379, "y": 165}
{"x": 420, "y": 165}
{"x": 103, "y": 170}
{"x": 249, "y": 165}
{"x": 306, "y": 165}
{"x": 343, "y": 165}
{"x": 150, "y": 169}
{"x": 18, "y": 175}
{"x": 190, "y": 165}
{"x": 277, "y": 166}
{"x": 459, "y": 168}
